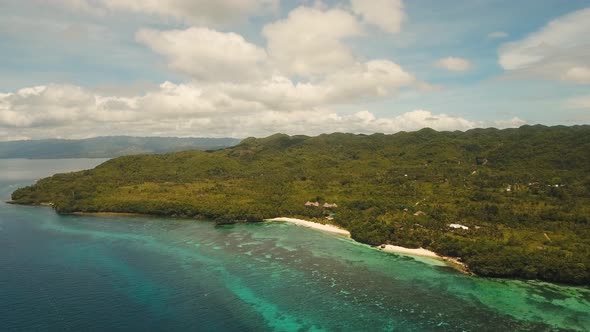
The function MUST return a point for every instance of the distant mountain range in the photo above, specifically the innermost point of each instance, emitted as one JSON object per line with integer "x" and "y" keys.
{"x": 108, "y": 146}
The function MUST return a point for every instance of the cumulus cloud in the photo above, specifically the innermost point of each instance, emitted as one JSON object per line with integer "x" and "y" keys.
{"x": 310, "y": 41}
{"x": 67, "y": 105}
{"x": 224, "y": 63}
{"x": 188, "y": 11}
{"x": 560, "y": 50}
{"x": 42, "y": 105}
{"x": 308, "y": 44}
{"x": 373, "y": 79}
{"x": 388, "y": 15}
{"x": 191, "y": 110}
{"x": 206, "y": 54}
{"x": 454, "y": 64}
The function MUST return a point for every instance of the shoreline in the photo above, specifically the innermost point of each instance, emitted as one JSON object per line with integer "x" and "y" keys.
{"x": 421, "y": 252}
{"x": 110, "y": 214}
{"x": 333, "y": 229}
{"x": 409, "y": 251}
{"x": 389, "y": 248}
{"x": 315, "y": 225}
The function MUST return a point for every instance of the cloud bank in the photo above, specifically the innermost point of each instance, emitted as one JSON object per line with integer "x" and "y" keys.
{"x": 189, "y": 110}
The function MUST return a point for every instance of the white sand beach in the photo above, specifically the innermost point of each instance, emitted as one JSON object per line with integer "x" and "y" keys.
{"x": 314, "y": 225}
{"x": 416, "y": 252}
{"x": 419, "y": 252}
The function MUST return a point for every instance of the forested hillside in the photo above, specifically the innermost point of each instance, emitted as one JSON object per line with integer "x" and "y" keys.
{"x": 523, "y": 194}
{"x": 107, "y": 147}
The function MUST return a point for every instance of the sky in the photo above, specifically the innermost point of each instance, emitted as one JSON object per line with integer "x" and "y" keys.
{"x": 241, "y": 68}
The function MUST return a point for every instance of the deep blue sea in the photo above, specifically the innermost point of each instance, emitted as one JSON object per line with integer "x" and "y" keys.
{"x": 82, "y": 273}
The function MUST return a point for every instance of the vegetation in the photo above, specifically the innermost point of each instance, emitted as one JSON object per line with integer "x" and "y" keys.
{"x": 107, "y": 147}
{"x": 524, "y": 193}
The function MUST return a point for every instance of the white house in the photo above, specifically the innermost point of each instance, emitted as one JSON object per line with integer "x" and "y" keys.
{"x": 458, "y": 226}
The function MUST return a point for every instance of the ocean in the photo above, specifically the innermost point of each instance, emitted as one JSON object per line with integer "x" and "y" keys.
{"x": 109, "y": 273}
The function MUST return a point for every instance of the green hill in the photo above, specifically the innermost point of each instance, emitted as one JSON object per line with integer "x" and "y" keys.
{"x": 107, "y": 147}
{"x": 524, "y": 193}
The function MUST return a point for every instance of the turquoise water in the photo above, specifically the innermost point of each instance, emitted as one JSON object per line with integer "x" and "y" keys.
{"x": 71, "y": 273}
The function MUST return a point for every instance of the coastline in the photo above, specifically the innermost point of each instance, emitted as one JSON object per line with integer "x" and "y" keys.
{"x": 420, "y": 252}
{"x": 314, "y": 225}
{"x": 453, "y": 262}
{"x": 414, "y": 252}
{"x": 110, "y": 214}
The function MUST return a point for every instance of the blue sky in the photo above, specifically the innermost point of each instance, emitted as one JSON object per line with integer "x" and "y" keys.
{"x": 79, "y": 68}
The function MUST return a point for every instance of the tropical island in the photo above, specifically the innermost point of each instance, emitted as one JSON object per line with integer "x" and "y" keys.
{"x": 510, "y": 203}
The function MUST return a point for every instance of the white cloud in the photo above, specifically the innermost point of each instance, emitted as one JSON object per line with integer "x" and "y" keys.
{"x": 421, "y": 119}
{"x": 560, "y": 50}
{"x": 454, "y": 64}
{"x": 310, "y": 41}
{"x": 206, "y": 54}
{"x": 325, "y": 121}
{"x": 374, "y": 79}
{"x": 226, "y": 63}
{"x": 65, "y": 105}
{"x": 190, "y": 110}
{"x": 308, "y": 44}
{"x": 386, "y": 14}
{"x": 278, "y": 93}
{"x": 188, "y": 11}
{"x": 43, "y": 105}
{"x": 497, "y": 35}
